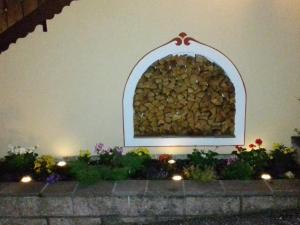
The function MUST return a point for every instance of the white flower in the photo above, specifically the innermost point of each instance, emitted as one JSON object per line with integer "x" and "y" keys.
{"x": 289, "y": 174}
{"x": 11, "y": 148}
{"x": 22, "y": 150}
{"x": 32, "y": 149}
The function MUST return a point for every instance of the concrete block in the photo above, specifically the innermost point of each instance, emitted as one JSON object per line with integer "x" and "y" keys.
{"x": 121, "y": 205}
{"x": 75, "y": 221}
{"x": 21, "y": 189}
{"x": 29, "y": 206}
{"x": 63, "y": 188}
{"x": 93, "y": 206}
{"x": 245, "y": 187}
{"x": 102, "y": 188}
{"x": 198, "y": 206}
{"x": 22, "y": 221}
{"x": 257, "y": 203}
{"x": 260, "y": 203}
{"x": 130, "y": 187}
{"x": 56, "y": 206}
{"x": 196, "y": 188}
{"x": 285, "y": 186}
{"x": 9, "y": 206}
{"x": 165, "y": 188}
{"x": 147, "y": 220}
{"x": 156, "y": 206}
{"x": 285, "y": 202}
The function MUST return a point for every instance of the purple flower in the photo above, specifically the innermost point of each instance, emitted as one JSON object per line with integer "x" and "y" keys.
{"x": 53, "y": 178}
{"x": 101, "y": 149}
{"x": 119, "y": 150}
{"x": 230, "y": 160}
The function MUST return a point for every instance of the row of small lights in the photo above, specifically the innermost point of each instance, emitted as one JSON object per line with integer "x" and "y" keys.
{"x": 27, "y": 179}
{"x": 176, "y": 177}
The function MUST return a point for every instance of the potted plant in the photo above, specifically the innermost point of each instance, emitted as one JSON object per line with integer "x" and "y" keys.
{"x": 296, "y": 139}
{"x": 296, "y": 142}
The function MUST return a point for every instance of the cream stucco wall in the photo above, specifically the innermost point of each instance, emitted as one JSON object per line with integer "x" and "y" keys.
{"x": 63, "y": 89}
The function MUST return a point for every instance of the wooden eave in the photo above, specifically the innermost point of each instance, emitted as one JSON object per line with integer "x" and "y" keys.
{"x": 20, "y": 17}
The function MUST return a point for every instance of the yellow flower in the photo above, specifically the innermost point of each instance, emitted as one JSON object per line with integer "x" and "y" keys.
{"x": 141, "y": 151}
{"x": 85, "y": 153}
{"x": 37, "y": 164}
{"x": 290, "y": 150}
{"x": 276, "y": 146}
{"x": 45, "y": 162}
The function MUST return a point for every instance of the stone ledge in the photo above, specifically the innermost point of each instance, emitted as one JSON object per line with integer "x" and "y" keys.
{"x": 67, "y": 202}
{"x": 154, "y": 188}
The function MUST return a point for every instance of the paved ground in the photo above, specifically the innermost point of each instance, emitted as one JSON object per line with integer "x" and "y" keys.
{"x": 283, "y": 218}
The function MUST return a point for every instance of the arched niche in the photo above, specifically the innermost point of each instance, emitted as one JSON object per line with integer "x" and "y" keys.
{"x": 183, "y": 47}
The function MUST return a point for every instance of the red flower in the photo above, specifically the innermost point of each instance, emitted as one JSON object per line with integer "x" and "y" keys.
{"x": 239, "y": 148}
{"x": 164, "y": 158}
{"x": 252, "y": 146}
{"x": 259, "y": 142}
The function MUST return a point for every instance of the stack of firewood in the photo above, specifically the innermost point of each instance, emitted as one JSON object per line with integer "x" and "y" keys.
{"x": 184, "y": 96}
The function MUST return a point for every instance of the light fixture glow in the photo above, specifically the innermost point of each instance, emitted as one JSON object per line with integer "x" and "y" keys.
{"x": 62, "y": 163}
{"x": 177, "y": 177}
{"x": 171, "y": 161}
{"x": 26, "y": 179}
{"x": 266, "y": 176}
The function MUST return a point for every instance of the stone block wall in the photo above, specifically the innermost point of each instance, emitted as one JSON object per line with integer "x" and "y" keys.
{"x": 68, "y": 203}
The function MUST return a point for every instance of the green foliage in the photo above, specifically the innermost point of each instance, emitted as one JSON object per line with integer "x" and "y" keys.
{"x": 238, "y": 170}
{"x": 134, "y": 162}
{"x": 85, "y": 173}
{"x": 203, "y": 159}
{"x": 280, "y": 152}
{"x": 256, "y": 158}
{"x": 111, "y": 165}
{"x": 282, "y": 160}
{"x": 202, "y": 175}
{"x": 84, "y": 155}
{"x": 121, "y": 173}
{"x": 90, "y": 174}
{"x": 19, "y": 163}
{"x": 110, "y": 159}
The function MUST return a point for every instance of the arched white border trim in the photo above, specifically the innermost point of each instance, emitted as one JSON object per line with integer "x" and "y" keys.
{"x": 185, "y": 46}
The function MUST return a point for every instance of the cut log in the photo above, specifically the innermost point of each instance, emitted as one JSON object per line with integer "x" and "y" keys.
{"x": 184, "y": 95}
